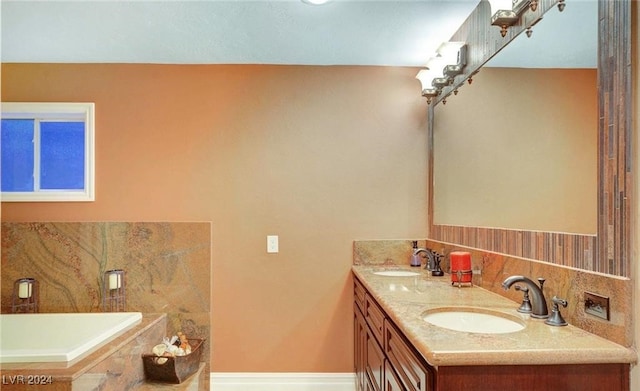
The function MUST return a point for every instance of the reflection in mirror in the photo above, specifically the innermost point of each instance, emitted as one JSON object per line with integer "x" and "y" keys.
{"x": 517, "y": 149}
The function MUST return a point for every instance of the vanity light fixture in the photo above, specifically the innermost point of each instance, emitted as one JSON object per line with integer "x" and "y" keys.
{"x": 506, "y": 13}
{"x": 430, "y": 93}
{"x": 449, "y": 62}
{"x": 428, "y": 90}
{"x": 437, "y": 64}
{"x": 455, "y": 54}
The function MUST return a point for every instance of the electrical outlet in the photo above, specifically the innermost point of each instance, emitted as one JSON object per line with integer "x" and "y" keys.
{"x": 272, "y": 244}
{"x": 596, "y": 305}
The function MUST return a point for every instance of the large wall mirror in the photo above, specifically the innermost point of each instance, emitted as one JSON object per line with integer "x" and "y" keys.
{"x": 524, "y": 154}
{"x": 522, "y": 160}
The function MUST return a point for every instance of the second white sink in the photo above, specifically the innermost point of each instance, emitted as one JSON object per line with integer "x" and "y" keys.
{"x": 473, "y": 320}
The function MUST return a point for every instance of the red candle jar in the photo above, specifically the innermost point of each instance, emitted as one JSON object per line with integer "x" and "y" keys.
{"x": 460, "y": 266}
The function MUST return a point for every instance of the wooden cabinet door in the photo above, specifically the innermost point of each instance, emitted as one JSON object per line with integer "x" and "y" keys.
{"x": 412, "y": 371}
{"x": 391, "y": 380}
{"x": 375, "y": 362}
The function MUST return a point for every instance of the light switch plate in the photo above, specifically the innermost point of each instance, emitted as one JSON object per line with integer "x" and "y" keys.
{"x": 596, "y": 305}
{"x": 272, "y": 244}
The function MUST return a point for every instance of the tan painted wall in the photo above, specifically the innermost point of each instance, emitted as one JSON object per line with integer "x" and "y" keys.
{"x": 317, "y": 155}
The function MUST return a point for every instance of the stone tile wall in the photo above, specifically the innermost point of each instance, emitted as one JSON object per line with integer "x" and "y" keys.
{"x": 167, "y": 266}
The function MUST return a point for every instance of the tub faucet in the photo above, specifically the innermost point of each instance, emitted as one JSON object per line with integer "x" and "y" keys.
{"x": 539, "y": 305}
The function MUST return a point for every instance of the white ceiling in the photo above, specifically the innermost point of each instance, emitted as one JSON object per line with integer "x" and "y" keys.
{"x": 342, "y": 32}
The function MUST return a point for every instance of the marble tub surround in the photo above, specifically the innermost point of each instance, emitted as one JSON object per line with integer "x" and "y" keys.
{"x": 405, "y": 300}
{"x": 491, "y": 269}
{"x": 116, "y": 366}
{"x": 167, "y": 266}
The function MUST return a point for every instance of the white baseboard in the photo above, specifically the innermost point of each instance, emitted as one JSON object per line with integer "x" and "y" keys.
{"x": 243, "y": 381}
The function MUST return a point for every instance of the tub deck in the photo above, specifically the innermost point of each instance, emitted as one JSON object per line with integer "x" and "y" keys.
{"x": 54, "y": 337}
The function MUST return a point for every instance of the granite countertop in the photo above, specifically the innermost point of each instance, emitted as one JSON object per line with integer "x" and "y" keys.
{"x": 405, "y": 299}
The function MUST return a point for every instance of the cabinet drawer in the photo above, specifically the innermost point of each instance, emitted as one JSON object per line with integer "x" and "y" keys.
{"x": 375, "y": 318}
{"x": 375, "y": 362}
{"x": 358, "y": 294}
{"x": 412, "y": 372}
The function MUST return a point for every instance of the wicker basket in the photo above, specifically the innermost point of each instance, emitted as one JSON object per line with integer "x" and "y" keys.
{"x": 173, "y": 370}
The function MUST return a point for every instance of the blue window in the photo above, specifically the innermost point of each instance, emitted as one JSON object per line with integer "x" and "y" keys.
{"x": 47, "y": 152}
{"x": 17, "y": 154}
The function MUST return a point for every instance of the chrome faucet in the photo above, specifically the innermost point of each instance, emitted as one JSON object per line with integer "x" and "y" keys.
{"x": 431, "y": 260}
{"x": 539, "y": 306}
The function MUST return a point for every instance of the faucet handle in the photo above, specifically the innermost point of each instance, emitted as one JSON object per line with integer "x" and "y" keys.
{"x": 558, "y": 301}
{"x": 437, "y": 271}
{"x": 556, "y": 318}
{"x": 525, "y": 307}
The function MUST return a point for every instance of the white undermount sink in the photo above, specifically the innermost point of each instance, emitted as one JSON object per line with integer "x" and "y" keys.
{"x": 396, "y": 273}
{"x": 473, "y": 320}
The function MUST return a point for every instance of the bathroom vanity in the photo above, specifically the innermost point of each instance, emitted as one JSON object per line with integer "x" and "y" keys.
{"x": 395, "y": 348}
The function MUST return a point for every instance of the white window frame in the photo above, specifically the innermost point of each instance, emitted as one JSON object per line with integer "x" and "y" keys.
{"x": 51, "y": 112}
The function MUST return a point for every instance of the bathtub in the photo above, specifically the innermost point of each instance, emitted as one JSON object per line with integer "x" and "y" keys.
{"x": 59, "y": 337}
